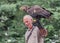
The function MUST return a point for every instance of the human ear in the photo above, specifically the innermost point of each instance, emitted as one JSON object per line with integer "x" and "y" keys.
{"x": 32, "y": 20}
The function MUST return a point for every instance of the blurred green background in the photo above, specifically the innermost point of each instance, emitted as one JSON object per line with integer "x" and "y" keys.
{"x": 12, "y": 28}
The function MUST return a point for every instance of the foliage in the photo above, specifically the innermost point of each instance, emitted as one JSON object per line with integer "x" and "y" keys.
{"x": 12, "y": 28}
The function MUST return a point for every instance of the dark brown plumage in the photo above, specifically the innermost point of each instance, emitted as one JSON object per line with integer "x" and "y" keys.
{"x": 38, "y": 12}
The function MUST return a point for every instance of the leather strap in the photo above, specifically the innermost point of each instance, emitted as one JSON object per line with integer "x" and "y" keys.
{"x": 29, "y": 35}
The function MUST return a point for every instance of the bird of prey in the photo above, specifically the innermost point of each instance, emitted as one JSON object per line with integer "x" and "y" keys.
{"x": 36, "y": 11}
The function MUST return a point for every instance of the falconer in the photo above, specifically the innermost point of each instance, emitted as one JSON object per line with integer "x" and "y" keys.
{"x": 32, "y": 34}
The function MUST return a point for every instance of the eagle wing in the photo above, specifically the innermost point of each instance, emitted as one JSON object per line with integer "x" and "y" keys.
{"x": 39, "y": 11}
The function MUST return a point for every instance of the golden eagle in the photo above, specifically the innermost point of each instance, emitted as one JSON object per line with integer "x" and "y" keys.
{"x": 36, "y": 11}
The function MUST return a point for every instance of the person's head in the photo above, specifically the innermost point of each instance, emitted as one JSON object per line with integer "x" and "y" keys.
{"x": 24, "y": 7}
{"x": 28, "y": 20}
